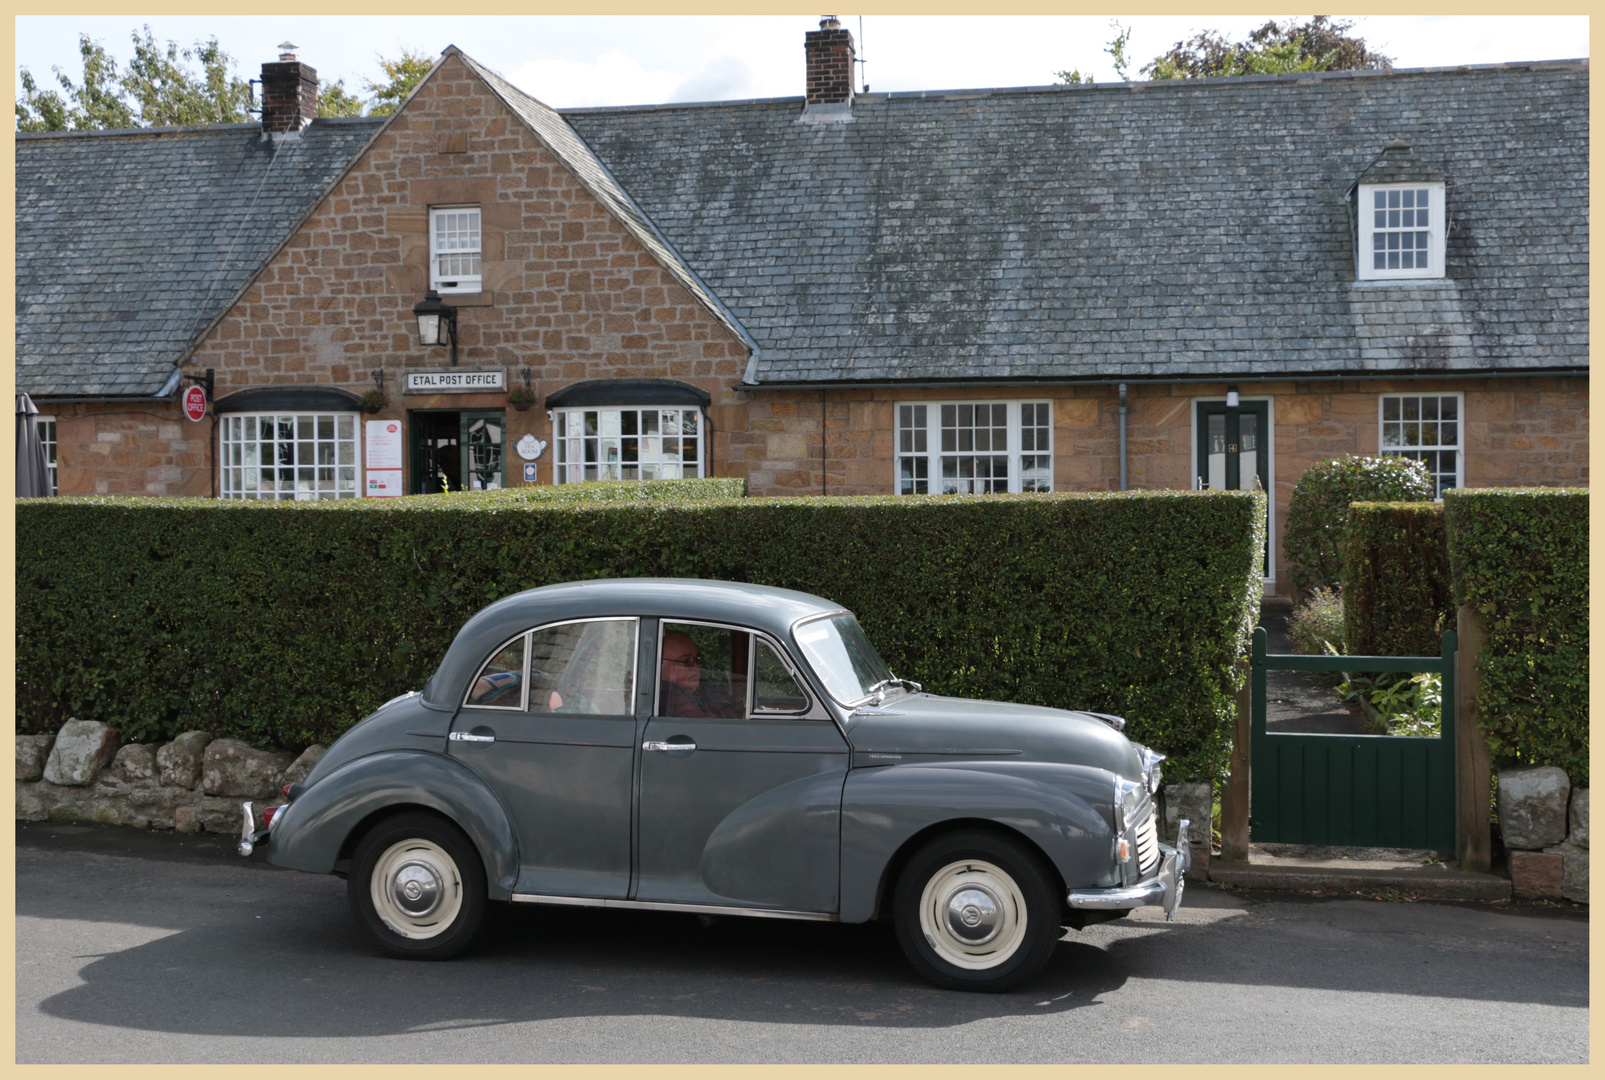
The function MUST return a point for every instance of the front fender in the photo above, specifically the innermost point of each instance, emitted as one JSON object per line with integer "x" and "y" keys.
{"x": 316, "y": 825}
{"x": 1065, "y": 810}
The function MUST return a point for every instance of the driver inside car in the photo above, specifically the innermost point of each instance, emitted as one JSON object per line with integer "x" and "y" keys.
{"x": 683, "y": 693}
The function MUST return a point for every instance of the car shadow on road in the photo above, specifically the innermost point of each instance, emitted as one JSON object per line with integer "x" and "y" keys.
{"x": 311, "y": 976}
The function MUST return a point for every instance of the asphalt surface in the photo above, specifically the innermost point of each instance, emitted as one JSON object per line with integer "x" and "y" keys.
{"x": 154, "y": 947}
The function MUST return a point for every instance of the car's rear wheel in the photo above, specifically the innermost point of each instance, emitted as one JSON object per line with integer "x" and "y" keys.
{"x": 976, "y": 910}
{"x": 417, "y": 887}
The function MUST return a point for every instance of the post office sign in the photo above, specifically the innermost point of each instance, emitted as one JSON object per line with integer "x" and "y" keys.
{"x": 455, "y": 382}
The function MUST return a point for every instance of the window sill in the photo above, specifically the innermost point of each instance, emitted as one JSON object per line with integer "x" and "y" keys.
{"x": 1398, "y": 283}
{"x": 469, "y": 299}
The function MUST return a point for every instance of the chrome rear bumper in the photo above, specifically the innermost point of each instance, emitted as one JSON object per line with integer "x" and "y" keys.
{"x": 250, "y": 835}
{"x": 1164, "y": 888}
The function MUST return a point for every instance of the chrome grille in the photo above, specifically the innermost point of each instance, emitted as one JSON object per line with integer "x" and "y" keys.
{"x": 1147, "y": 844}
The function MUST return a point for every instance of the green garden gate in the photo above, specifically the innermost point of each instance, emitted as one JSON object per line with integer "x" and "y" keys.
{"x": 1352, "y": 790}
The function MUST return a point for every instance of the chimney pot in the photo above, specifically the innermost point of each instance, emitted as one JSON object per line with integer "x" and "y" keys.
{"x": 287, "y": 51}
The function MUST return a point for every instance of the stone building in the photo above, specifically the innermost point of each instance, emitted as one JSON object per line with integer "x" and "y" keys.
{"x": 1160, "y": 285}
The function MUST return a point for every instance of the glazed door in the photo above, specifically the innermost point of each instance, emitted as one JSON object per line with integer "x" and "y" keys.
{"x": 1234, "y": 450}
{"x": 740, "y": 792}
{"x": 549, "y": 726}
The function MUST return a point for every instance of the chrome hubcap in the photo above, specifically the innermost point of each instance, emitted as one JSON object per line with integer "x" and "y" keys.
{"x": 972, "y": 914}
{"x": 417, "y": 889}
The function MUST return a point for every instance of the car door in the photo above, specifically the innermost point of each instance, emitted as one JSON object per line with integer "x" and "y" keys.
{"x": 741, "y": 778}
{"x": 549, "y": 725}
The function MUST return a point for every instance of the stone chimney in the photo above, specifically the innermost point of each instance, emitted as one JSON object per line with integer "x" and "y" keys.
{"x": 289, "y": 93}
{"x": 830, "y": 63}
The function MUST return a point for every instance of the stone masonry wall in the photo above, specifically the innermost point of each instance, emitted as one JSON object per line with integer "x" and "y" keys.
{"x": 568, "y": 291}
{"x": 148, "y": 449}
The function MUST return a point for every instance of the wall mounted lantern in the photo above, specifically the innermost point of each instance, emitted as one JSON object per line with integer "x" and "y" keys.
{"x": 437, "y": 322}
{"x": 1231, "y": 392}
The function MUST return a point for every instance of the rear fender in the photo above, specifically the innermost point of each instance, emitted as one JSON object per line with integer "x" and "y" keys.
{"x": 1065, "y": 810}
{"x": 317, "y": 824}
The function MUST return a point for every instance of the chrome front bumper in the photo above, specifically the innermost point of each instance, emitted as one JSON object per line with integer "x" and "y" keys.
{"x": 1164, "y": 888}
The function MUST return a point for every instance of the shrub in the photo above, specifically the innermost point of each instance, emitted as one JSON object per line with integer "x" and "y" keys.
{"x": 1317, "y": 514}
{"x": 1520, "y": 557}
{"x": 1317, "y": 623}
{"x": 286, "y": 622}
{"x": 1396, "y": 595}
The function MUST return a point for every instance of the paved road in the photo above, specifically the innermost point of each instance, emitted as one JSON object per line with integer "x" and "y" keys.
{"x": 138, "y": 947}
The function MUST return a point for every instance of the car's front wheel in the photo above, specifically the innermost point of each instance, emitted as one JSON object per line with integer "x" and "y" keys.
{"x": 976, "y": 910}
{"x": 417, "y": 887}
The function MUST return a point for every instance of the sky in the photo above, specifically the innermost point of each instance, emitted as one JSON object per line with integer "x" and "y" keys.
{"x": 575, "y": 61}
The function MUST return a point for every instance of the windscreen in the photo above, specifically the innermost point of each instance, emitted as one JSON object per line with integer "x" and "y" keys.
{"x": 842, "y": 657}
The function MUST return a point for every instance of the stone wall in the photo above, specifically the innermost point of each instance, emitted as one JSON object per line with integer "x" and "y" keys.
{"x": 86, "y": 773}
{"x": 1543, "y": 822}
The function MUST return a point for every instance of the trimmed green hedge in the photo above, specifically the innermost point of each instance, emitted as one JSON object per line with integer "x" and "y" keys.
{"x": 1520, "y": 556}
{"x": 1396, "y": 596}
{"x": 283, "y": 623}
{"x": 601, "y": 491}
{"x": 1315, "y": 536}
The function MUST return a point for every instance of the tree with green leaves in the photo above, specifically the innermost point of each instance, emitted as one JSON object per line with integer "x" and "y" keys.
{"x": 401, "y": 75}
{"x": 158, "y": 88}
{"x": 1322, "y": 44}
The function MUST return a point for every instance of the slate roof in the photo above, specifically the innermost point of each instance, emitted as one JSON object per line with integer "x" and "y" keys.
{"x": 1125, "y": 231}
{"x": 129, "y": 243}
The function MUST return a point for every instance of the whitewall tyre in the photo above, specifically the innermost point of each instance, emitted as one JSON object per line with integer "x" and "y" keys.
{"x": 417, "y": 887}
{"x": 977, "y": 910}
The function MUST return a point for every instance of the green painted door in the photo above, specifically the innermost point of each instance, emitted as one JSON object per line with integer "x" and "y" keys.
{"x": 1234, "y": 451}
{"x": 1352, "y": 790}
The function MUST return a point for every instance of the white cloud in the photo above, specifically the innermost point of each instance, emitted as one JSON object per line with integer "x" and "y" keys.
{"x": 724, "y": 78}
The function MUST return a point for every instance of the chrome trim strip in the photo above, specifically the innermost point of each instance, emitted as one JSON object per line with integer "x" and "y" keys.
{"x": 940, "y": 751}
{"x": 564, "y": 742}
{"x": 693, "y": 909}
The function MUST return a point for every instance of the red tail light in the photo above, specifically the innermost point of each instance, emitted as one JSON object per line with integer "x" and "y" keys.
{"x": 287, "y": 790}
{"x": 269, "y": 814}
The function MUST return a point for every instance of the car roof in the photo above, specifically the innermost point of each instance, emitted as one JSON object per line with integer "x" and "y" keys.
{"x": 762, "y": 607}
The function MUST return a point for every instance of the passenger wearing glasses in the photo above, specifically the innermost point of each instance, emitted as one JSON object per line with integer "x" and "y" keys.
{"x": 683, "y": 692}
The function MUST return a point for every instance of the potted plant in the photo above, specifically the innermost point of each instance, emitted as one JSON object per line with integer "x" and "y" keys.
{"x": 372, "y": 401}
{"x": 522, "y": 397}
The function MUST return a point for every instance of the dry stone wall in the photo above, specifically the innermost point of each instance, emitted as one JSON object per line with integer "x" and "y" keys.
{"x": 86, "y": 773}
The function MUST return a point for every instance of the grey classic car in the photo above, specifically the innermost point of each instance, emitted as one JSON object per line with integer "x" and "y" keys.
{"x": 718, "y": 748}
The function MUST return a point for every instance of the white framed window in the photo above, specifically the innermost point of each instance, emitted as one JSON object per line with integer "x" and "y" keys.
{"x": 982, "y": 447}
{"x": 651, "y": 443}
{"x": 46, "y": 426}
{"x": 1428, "y": 428}
{"x": 1401, "y": 231}
{"x": 289, "y": 456}
{"x": 454, "y": 249}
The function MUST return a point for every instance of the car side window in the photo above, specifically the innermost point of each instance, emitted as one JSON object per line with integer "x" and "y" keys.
{"x": 774, "y": 687}
{"x": 583, "y": 667}
{"x": 702, "y": 672}
{"x": 501, "y": 681}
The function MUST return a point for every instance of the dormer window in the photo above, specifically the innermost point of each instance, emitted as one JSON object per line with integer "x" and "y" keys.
{"x": 1399, "y": 206}
{"x": 1401, "y": 232}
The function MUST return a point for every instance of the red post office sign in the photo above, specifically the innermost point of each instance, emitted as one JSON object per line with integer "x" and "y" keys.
{"x": 195, "y": 403}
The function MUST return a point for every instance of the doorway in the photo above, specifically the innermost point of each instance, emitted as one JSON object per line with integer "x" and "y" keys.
{"x": 457, "y": 450}
{"x": 1234, "y": 453}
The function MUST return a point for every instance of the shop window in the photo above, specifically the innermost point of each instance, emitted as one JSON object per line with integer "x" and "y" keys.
{"x": 288, "y": 456}
{"x": 454, "y": 249}
{"x": 974, "y": 447}
{"x": 650, "y": 443}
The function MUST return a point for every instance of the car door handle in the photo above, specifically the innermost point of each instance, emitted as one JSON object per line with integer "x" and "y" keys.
{"x": 666, "y": 746}
{"x": 468, "y": 736}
